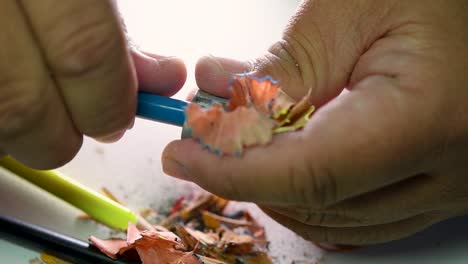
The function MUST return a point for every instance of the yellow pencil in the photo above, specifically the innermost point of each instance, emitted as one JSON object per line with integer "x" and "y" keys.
{"x": 89, "y": 201}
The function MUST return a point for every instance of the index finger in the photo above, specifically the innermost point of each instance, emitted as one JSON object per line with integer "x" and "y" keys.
{"x": 86, "y": 51}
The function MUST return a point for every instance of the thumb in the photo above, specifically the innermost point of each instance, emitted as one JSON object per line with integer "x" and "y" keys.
{"x": 159, "y": 74}
{"x": 318, "y": 50}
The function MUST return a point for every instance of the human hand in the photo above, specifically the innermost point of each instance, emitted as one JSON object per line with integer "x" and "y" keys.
{"x": 381, "y": 161}
{"x": 65, "y": 72}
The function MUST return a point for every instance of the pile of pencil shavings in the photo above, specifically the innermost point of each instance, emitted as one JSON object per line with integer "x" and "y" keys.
{"x": 257, "y": 110}
{"x": 196, "y": 231}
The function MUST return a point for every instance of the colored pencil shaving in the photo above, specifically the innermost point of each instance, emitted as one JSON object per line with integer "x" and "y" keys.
{"x": 257, "y": 110}
{"x": 198, "y": 229}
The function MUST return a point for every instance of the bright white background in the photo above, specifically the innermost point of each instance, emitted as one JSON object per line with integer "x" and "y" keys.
{"x": 241, "y": 29}
{"x": 131, "y": 168}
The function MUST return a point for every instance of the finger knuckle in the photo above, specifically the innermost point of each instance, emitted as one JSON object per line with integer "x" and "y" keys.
{"x": 298, "y": 58}
{"x": 231, "y": 189}
{"x": 78, "y": 48}
{"x": 279, "y": 62}
{"x": 207, "y": 176}
{"x": 319, "y": 219}
{"x": 61, "y": 157}
{"x": 299, "y": 189}
{"x": 319, "y": 234}
{"x": 311, "y": 217}
{"x": 331, "y": 219}
{"x": 322, "y": 185}
{"x": 20, "y": 108}
{"x": 105, "y": 123}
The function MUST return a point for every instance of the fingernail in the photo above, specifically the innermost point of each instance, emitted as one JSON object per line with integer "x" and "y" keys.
{"x": 175, "y": 169}
{"x": 112, "y": 137}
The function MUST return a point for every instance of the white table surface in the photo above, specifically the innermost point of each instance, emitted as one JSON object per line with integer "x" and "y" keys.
{"x": 131, "y": 168}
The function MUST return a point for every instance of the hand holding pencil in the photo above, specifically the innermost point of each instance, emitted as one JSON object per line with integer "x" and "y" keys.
{"x": 67, "y": 71}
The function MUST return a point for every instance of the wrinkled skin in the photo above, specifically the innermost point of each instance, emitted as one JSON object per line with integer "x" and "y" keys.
{"x": 385, "y": 159}
{"x": 66, "y": 71}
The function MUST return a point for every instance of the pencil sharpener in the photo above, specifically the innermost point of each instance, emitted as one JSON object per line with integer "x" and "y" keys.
{"x": 205, "y": 100}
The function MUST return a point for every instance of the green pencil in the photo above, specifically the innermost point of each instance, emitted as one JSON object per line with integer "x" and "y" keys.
{"x": 89, "y": 201}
